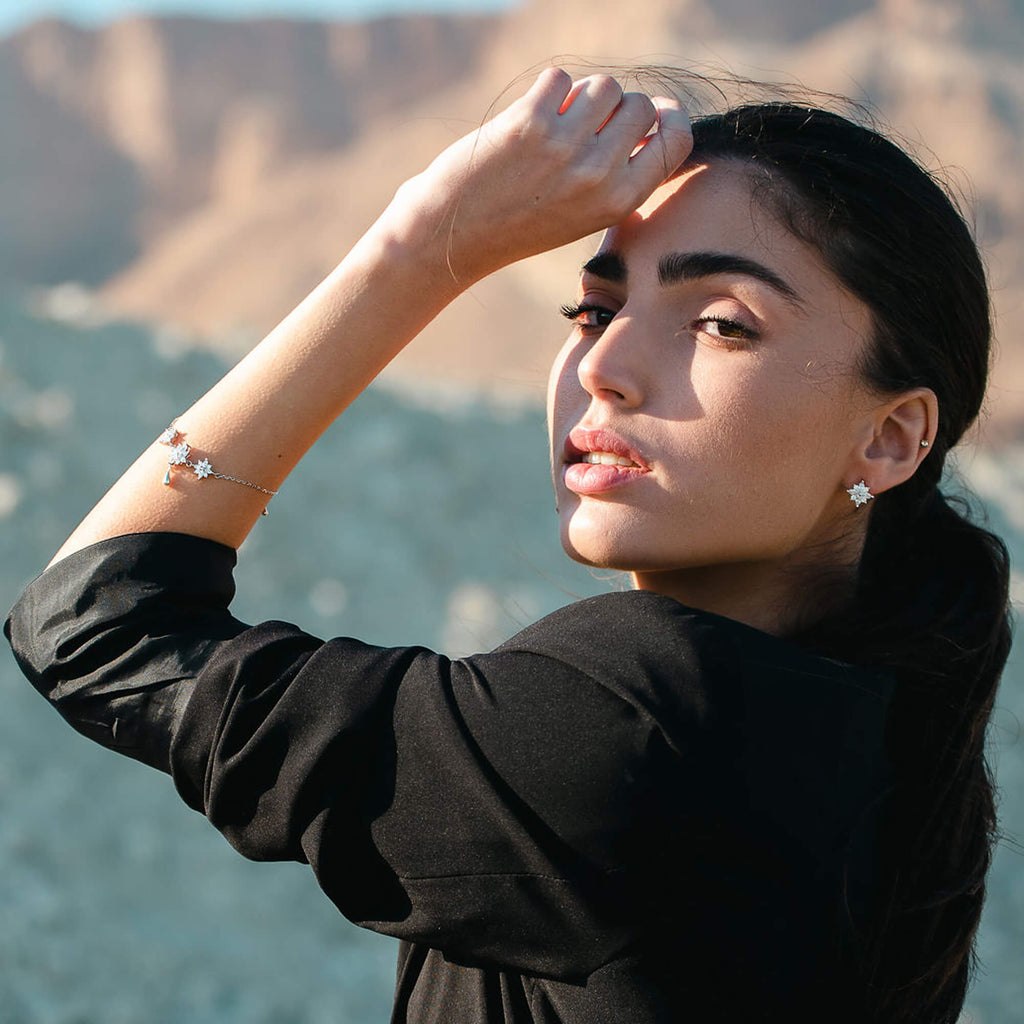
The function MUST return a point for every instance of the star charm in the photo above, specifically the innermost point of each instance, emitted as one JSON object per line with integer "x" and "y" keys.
{"x": 860, "y": 494}
{"x": 169, "y": 436}
{"x": 202, "y": 469}
{"x": 179, "y": 454}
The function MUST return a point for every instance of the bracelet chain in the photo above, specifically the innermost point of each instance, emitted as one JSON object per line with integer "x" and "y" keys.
{"x": 180, "y": 455}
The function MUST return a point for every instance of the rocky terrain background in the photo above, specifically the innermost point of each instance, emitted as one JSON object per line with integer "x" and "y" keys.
{"x": 204, "y": 175}
{"x": 199, "y": 177}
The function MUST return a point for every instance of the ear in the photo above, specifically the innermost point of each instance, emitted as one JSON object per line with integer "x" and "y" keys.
{"x": 892, "y": 448}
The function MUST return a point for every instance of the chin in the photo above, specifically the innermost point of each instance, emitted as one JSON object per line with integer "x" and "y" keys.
{"x": 601, "y": 549}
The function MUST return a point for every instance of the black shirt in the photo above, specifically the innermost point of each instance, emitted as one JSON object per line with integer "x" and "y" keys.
{"x": 631, "y": 811}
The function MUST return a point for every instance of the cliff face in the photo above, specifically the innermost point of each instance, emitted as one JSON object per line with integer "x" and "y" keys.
{"x": 112, "y": 136}
{"x": 207, "y": 174}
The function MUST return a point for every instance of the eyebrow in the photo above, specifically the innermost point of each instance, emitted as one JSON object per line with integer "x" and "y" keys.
{"x": 690, "y": 266}
{"x": 609, "y": 266}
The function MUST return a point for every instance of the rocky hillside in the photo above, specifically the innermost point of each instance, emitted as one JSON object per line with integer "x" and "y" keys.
{"x": 206, "y": 174}
{"x": 114, "y": 137}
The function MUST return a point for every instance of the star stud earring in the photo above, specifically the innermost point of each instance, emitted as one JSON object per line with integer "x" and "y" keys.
{"x": 860, "y": 494}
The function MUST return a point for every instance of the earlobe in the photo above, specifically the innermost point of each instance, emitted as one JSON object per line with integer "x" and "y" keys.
{"x": 902, "y": 432}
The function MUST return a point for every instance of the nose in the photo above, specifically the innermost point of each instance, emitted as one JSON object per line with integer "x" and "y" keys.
{"x": 612, "y": 367}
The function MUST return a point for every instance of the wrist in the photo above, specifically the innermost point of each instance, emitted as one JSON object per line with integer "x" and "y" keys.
{"x": 419, "y": 225}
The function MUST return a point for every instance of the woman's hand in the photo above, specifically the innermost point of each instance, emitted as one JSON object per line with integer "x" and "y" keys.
{"x": 565, "y": 160}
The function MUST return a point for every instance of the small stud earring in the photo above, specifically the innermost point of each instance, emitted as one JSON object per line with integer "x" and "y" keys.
{"x": 860, "y": 494}
{"x": 926, "y": 444}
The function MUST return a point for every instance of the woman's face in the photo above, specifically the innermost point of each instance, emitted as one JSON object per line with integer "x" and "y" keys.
{"x": 713, "y": 356}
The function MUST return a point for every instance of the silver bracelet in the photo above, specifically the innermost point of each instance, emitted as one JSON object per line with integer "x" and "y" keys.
{"x": 181, "y": 455}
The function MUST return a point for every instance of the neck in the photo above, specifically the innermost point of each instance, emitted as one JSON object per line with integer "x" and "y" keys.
{"x": 777, "y": 598}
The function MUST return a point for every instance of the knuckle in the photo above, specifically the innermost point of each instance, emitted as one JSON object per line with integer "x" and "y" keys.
{"x": 603, "y": 86}
{"x": 637, "y": 112}
{"x": 589, "y": 175}
{"x": 539, "y": 125}
{"x": 553, "y": 80}
{"x": 640, "y": 105}
{"x": 555, "y": 76}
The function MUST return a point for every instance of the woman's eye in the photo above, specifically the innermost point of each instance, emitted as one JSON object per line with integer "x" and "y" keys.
{"x": 724, "y": 328}
{"x": 587, "y": 315}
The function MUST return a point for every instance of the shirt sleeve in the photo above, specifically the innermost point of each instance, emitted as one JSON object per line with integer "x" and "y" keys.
{"x": 495, "y": 808}
{"x": 114, "y": 634}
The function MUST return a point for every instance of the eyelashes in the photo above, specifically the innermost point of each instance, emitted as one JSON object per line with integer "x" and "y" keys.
{"x": 578, "y": 312}
{"x": 727, "y": 329}
{"x": 590, "y": 316}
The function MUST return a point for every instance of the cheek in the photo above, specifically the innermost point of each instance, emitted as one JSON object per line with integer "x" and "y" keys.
{"x": 751, "y": 455}
{"x": 796, "y": 459}
{"x": 554, "y": 381}
{"x": 769, "y": 413}
{"x": 564, "y": 391}
{"x": 720, "y": 425}
{"x": 769, "y": 452}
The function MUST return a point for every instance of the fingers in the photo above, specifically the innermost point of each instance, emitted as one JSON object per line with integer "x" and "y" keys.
{"x": 627, "y": 126}
{"x": 550, "y": 89}
{"x": 624, "y": 120}
{"x": 579, "y": 107}
{"x": 661, "y": 152}
{"x": 590, "y": 103}
{"x": 638, "y": 140}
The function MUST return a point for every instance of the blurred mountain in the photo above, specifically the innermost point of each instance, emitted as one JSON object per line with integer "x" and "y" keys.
{"x": 207, "y": 174}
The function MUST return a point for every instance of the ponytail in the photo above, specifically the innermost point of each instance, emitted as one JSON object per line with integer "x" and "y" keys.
{"x": 934, "y": 607}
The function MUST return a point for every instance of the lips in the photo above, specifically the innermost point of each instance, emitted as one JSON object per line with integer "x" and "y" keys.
{"x": 598, "y": 460}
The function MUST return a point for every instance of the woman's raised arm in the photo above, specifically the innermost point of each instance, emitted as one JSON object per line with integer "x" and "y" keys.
{"x": 565, "y": 160}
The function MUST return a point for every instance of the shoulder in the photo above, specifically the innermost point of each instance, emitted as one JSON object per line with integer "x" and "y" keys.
{"x": 700, "y": 678}
{"x": 638, "y": 635}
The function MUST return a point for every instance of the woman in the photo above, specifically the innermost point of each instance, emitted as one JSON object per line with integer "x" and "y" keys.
{"x": 752, "y": 788}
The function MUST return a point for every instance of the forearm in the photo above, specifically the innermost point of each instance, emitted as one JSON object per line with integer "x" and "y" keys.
{"x": 560, "y": 163}
{"x": 260, "y": 419}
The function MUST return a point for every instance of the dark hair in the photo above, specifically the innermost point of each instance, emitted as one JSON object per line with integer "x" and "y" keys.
{"x": 931, "y": 598}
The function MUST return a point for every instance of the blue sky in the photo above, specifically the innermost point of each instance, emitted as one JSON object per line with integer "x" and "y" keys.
{"x": 14, "y": 13}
